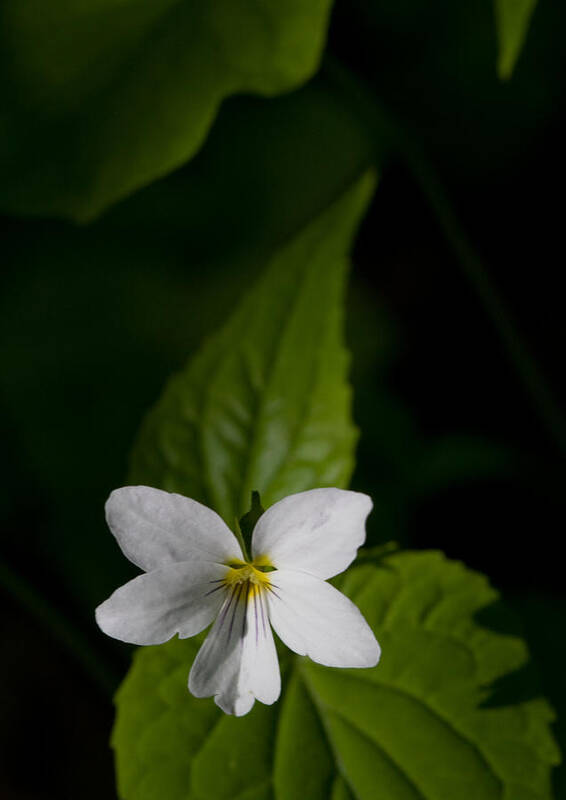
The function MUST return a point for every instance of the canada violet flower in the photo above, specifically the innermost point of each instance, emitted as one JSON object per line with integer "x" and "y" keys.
{"x": 196, "y": 574}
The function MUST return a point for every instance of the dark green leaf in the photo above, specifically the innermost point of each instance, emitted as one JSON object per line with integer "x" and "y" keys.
{"x": 102, "y": 98}
{"x": 512, "y": 19}
{"x": 265, "y": 404}
{"x": 410, "y": 729}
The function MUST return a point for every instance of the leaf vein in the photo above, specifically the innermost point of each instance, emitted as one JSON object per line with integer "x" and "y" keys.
{"x": 448, "y": 723}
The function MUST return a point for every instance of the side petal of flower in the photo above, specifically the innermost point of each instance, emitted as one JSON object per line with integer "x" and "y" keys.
{"x": 318, "y": 531}
{"x": 179, "y": 598}
{"x": 315, "y": 619}
{"x": 154, "y": 528}
{"x": 238, "y": 662}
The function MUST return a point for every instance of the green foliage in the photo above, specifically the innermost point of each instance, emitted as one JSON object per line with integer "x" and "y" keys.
{"x": 265, "y": 404}
{"x": 409, "y": 729}
{"x": 168, "y": 279}
{"x": 100, "y": 98}
{"x": 512, "y": 20}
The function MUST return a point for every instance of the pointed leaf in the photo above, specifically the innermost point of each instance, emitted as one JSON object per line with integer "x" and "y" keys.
{"x": 265, "y": 405}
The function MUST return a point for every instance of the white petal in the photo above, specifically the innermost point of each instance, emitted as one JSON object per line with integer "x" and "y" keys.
{"x": 238, "y": 662}
{"x": 318, "y": 531}
{"x": 315, "y": 619}
{"x": 154, "y": 528}
{"x": 179, "y": 598}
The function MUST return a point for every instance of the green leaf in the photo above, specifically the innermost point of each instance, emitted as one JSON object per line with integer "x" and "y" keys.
{"x": 265, "y": 405}
{"x": 100, "y": 98}
{"x": 412, "y": 728}
{"x": 512, "y": 21}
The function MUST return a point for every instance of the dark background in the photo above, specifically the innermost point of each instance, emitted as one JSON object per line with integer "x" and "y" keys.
{"x": 456, "y": 449}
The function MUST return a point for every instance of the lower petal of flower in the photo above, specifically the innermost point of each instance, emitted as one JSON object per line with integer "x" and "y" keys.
{"x": 238, "y": 662}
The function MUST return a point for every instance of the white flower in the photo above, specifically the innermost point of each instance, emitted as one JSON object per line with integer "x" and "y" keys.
{"x": 196, "y": 574}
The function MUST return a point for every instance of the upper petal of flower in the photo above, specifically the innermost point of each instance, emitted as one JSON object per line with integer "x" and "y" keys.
{"x": 314, "y": 619}
{"x": 318, "y": 531}
{"x": 238, "y": 662}
{"x": 154, "y": 528}
{"x": 177, "y": 598}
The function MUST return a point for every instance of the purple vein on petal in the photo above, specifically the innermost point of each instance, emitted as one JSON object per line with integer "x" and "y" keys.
{"x": 216, "y": 589}
{"x": 256, "y": 618}
{"x": 263, "y": 612}
{"x": 224, "y": 612}
{"x": 244, "y": 615}
{"x": 272, "y": 590}
{"x": 237, "y": 594}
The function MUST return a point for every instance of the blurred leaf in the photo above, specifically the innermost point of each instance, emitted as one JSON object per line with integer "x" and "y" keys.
{"x": 409, "y": 729}
{"x": 512, "y": 20}
{"x": 101, "y": 98}
{"x": 267, "y": 168}
{"x": 340, "y": 790}
{"x": 265, "y": 404}
{"x": 266, "y": 171}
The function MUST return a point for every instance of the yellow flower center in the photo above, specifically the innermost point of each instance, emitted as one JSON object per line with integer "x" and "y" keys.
{"x": 256, "y": 575}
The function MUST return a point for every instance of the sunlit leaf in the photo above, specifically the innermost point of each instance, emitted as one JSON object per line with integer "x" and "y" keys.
{"x": 265, "y": 404}
{"x": 100, "y": 98}
{"x": 512, "y": 19}
{"x": 410, "y": 729}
